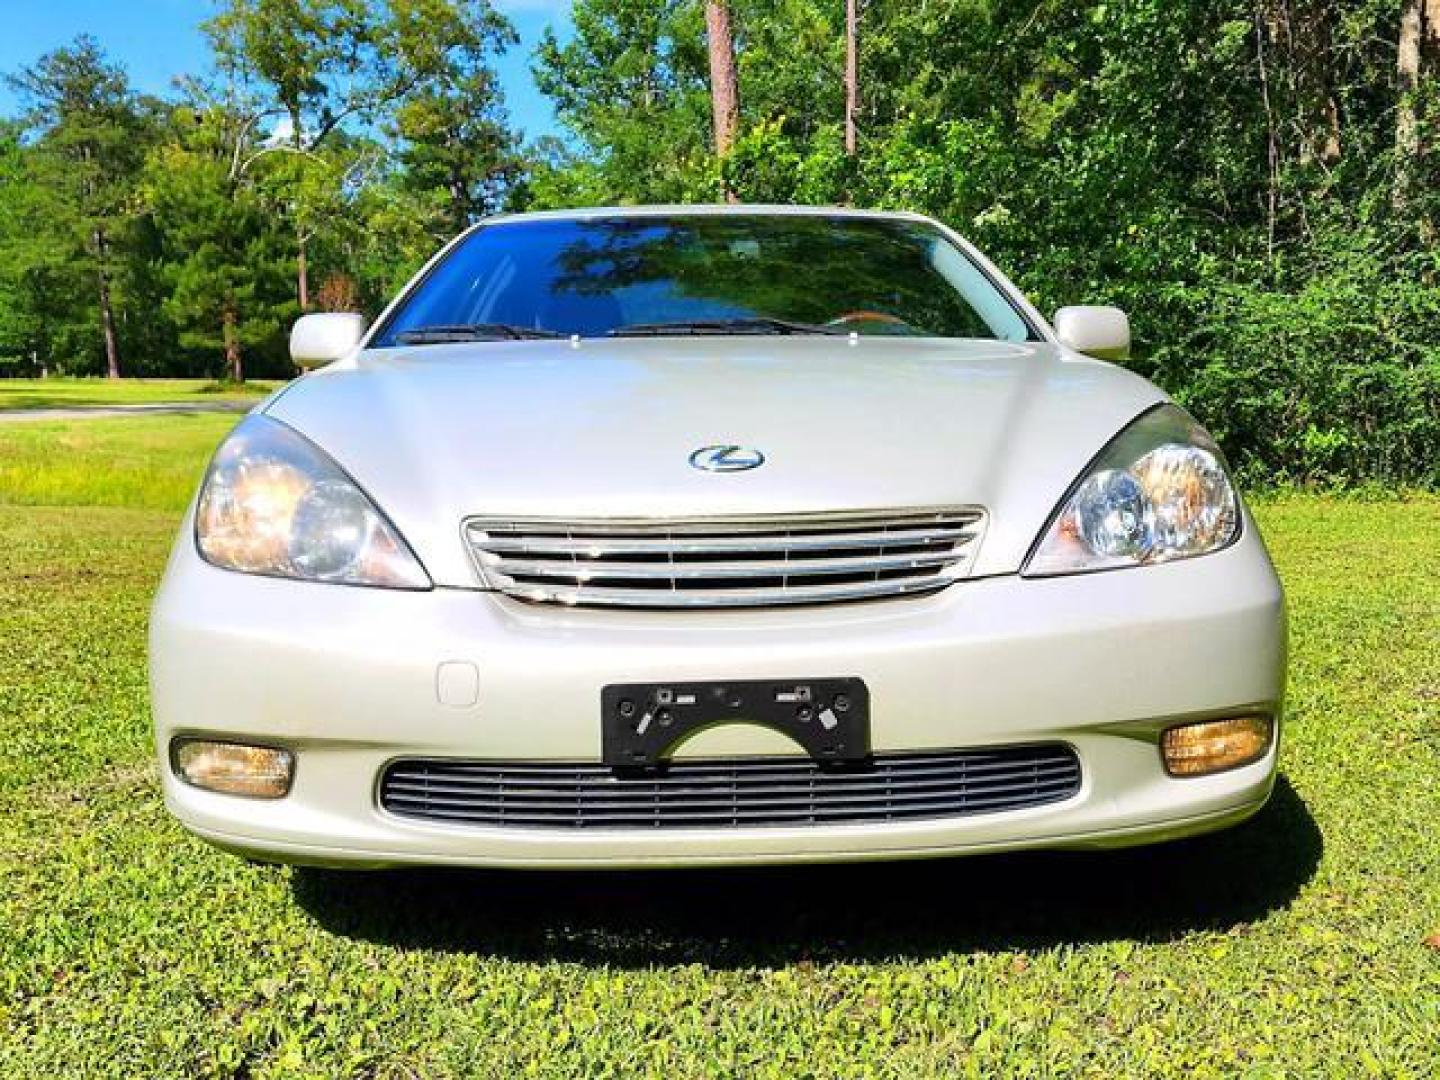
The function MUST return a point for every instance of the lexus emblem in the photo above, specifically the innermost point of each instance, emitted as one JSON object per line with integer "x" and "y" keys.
{"x": 726, "y": 458}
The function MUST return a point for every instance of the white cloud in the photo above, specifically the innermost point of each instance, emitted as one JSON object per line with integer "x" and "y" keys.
{"x": 280, "y": 135}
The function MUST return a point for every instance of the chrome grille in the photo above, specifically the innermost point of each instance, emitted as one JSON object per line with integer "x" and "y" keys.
{"x": 731, "y": 793}
{"x": 726, "y": 562}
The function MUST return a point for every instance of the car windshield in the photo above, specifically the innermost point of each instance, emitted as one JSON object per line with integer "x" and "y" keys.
{"x": 702, "y": 274}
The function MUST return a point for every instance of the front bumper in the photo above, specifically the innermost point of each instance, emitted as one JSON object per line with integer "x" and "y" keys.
{"x": 352, "y": 678}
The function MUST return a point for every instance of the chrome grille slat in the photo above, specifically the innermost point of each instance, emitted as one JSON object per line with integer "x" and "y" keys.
{"x": 604, "y": 546}
{"x": 703, "y": 819}
{"x": 694, "y": 768}
{"x": 731, "y": 792}
{"x": 726, "y": 562}
{"x": 730, "y": 570}
{"x": 715, "y": 598}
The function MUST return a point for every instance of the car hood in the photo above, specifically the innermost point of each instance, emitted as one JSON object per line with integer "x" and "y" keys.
{"x": 606, "y": 429}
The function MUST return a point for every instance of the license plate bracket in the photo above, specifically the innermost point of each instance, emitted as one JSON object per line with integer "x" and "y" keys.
{"x": 642, "y": 723}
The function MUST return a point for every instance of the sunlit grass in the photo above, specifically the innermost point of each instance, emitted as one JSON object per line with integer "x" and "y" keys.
{"x": 147, "y": 462}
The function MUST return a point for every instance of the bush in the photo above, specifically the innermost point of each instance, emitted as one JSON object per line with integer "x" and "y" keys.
{"x": 1329, "y": 382}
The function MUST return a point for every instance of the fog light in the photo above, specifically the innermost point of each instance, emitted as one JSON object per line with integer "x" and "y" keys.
{"x": 1215, "y": 745}
{"x": 261, "y": 772}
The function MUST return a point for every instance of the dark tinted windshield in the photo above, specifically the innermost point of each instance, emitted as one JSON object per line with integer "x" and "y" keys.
{"x": 722, "y": 273}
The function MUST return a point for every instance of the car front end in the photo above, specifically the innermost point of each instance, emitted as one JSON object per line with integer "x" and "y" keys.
{"x": 655, "y": 600}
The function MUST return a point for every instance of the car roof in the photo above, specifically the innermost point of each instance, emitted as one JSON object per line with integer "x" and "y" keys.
{"x": 703, "y": 210}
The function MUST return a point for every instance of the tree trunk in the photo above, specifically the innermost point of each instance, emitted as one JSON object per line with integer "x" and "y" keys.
{"x": 459, "y": 200}
{"x": 1417, "y": 54}
{"x": 230, "y": 334}
{"x": 1330, "y": 149}
{"x": 302, "y": 275}
{"x": 1300, "y": 44}
{"x": 1264, "y": 35}
{"x": 1310, "y": 43}
{"x": 724, "y": 84}
{"x": 1407, "y": 65}
{"x": 107, "y": 312}
{"x": 852, "y": 73}
{"x": 302, "y": 266}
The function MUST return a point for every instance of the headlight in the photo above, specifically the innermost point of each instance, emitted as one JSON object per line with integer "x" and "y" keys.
{"x": 273, "y": 503}
{"x": 1158, "y": 492}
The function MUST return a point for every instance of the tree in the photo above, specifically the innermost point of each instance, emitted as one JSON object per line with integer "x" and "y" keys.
{"x": 1417, "y": 55}
{"x": 37, "y": 266}
{"x": 632, "y": 84}
{"x": 325, "y": 64}
{"x": 1305, "y": 29}
{"x": 852, "y": 73}
{"x": 310, "y": 56}
{"x": 454, "y": 142}
{"x": 451, "y": 125}
{"x": 223, "y": 257}
{"x": 724, "y": 84}
{"x": 91, "y": 132}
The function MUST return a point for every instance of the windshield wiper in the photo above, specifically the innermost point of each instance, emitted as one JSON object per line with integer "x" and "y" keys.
{"x": 755, "y": 325}
{"x": 441, "y": 335}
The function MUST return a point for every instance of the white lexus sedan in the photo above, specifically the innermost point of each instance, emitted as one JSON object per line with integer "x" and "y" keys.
{"x": 695, "y": 535}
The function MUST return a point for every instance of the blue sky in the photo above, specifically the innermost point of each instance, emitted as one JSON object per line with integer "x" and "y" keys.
{"x": 158, "y": 39}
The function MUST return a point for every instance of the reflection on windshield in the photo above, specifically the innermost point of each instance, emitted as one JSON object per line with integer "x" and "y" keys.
{"x": 741, "y": 273}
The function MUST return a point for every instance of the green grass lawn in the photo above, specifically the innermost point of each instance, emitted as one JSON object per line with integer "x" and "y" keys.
{"x": 149, "y": 463}
{"x": 81, "y": 393}
{"x": 1301, "y": 944}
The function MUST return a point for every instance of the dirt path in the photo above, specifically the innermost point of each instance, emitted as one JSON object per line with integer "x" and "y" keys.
{"x": 87, "y": 412}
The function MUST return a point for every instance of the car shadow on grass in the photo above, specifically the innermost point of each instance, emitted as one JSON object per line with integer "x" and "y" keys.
{"x": 779, "y": 915}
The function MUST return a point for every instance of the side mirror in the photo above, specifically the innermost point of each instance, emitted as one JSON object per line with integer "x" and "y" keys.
{"x": 318, "y": 339}
{"x": 1101, "y": 332}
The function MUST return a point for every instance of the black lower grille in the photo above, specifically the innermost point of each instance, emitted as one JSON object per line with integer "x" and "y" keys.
{"x": 730, "y": 793}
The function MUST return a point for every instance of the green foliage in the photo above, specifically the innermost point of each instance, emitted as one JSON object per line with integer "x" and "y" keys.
{"x": 1334, "y": 379}
{"x": 316, "y": 58}
{"x": 226, "y": 271}
{"x": 452, "y": 127}
{"x": 632, "y": 83}
{"x": 335, "y": 140}
{"x": 67, "y": 225}
{"x": 1233, "y": 172}
{"x": 1226, "y": 170}
{"x": 337, "y": 71}
{"x": 1293, "y": 946}
{"x": 38, "y": 269}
